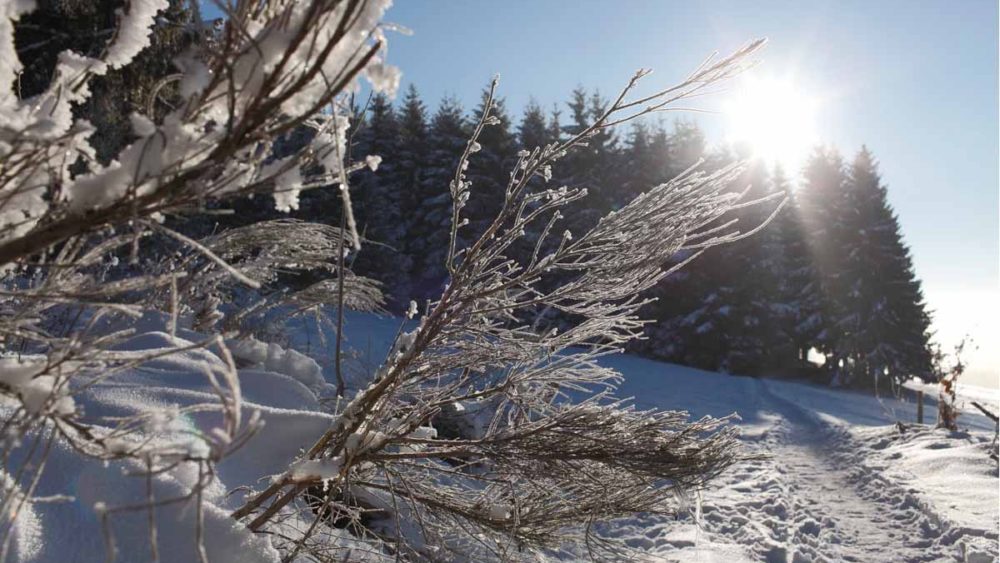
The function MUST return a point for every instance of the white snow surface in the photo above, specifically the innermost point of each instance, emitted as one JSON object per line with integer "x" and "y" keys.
{"x": 829, "y": 477}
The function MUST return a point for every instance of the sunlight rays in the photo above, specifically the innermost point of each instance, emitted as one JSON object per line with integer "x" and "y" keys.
{"x": 774, "y": 119}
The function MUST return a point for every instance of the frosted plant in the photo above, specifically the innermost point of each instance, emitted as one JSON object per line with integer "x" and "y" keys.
{"x": 65, "y": 219}
{"x": 261, "y": 252}
{"x": 483, "y": 436}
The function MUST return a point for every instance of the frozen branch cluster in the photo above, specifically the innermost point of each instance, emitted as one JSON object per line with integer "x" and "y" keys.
{"x": 482, "y": 435}
{"x": 66, "y": 304}
{"x": 278, "y": 65}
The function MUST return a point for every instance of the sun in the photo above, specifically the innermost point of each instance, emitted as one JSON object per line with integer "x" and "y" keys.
{"x": 774, "y": 119}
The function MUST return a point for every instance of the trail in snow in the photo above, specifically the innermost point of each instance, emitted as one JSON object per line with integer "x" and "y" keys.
{"x": 802, "y": 499}
{"x": 823, "y": 484}
{"x": 818, "y": 508}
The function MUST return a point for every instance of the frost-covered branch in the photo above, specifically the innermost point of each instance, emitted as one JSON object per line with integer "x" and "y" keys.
{"x": 484, "y": 434}
{"x": 76, "y": 232}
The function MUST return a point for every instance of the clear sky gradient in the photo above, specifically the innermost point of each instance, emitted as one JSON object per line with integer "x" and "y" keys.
{"x": 915, "y": 81}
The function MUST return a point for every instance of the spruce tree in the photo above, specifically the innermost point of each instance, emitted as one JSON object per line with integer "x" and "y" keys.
{"x": 489, "y": 168}
{"x": 881, "y": 314}
{"x": 641, "y": 165}
{"x": 687, "y": 144}
{"x": 411, "y": 168}
{"x": 787, "y": 261}
{"x": 593, "y": 167}
{"x": 431, "y": 215}
{"x": 378, "y": 202}
{"x": 681, "y": 299}
{"x": 818, "y": 205}
{"x": 534, "y": 130}
{"x": 751, "y": 332}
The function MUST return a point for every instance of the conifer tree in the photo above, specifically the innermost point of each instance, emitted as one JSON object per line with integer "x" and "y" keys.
{"x": 882, "y": 318}
{"x": 659, "y": 147}
{"x": 378, "y": 202}
{"x": 593, "y": 167}
{"x": 431, "y": 214}
{"x": 681, "y": 297}
{"x": 413, "y": 139}
{"x": 687, "y": 145}
{"x": 786, "y": 259}
{"x": 718, "y": 310}
{"x": 411, "y": 163}
{"x": 818, "y": 203}
{"x": 534, "y": 130}
{"x": 641, "y": 170}
{"x": 751, "y": 331}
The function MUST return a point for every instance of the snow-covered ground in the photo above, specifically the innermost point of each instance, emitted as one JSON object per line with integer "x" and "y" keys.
{"x": 833, "y": 479}
{"x": 828, "y": 474}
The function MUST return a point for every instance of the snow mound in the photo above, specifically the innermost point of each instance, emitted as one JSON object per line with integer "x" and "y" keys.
{"x": 74, "y": 492}
{"x": 273, "y": 357}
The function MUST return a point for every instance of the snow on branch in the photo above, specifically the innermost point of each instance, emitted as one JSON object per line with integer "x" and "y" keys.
{"x": 529, "y": 443}
{"x": 76, "y": 231}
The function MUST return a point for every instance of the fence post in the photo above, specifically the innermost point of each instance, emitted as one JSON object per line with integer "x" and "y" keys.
{"x": 920, "y": 407}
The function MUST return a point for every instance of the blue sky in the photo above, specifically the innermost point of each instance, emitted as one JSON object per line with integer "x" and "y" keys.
{"x": 915, "y": 81}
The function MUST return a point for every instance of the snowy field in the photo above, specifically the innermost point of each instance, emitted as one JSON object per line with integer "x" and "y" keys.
{"x": 829, "y": 477}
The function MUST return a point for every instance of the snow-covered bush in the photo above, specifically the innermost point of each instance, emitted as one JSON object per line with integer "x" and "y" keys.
{"x": 557, "y": 451}
{"x": 549, "y": 450}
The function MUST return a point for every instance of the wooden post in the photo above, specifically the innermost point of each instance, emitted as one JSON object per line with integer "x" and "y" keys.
{"x": 920, "y": 407}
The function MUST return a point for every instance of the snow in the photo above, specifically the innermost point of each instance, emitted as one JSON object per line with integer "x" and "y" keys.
{"x": 43, "y": 394}
{"x": 309, "y": 469}
{"x": 836, "y": 480}
{"x": 277, "y": 359}
{"x": 829, "y": 476}
{"x": 132, "y": 34}
{"x": 842, "y": 481}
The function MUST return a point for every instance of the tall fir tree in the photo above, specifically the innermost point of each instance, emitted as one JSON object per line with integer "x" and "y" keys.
{"x": 641, "y": 166}
{"x": 378, "y": 200}
{"x": 430, "y": 222}
{"x": 594, "y": 167}
{"x": 754, "y": 336}
{"x": 687, "y": 145}
{"x": 412, "y": 162}
{"x": 681, "y": 299}
{"x": 534, "y": 130}
{"x": 882, "y": 320}
{"x": 818, "y": 204}
{"x": 787, "y": 261}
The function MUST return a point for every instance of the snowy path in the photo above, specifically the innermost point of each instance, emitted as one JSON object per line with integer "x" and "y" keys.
{"x": 815, "y": 507}
{"x": 804, "y": 498}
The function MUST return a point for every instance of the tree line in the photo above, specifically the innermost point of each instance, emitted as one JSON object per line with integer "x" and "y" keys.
{"x": 830, "y": 277}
